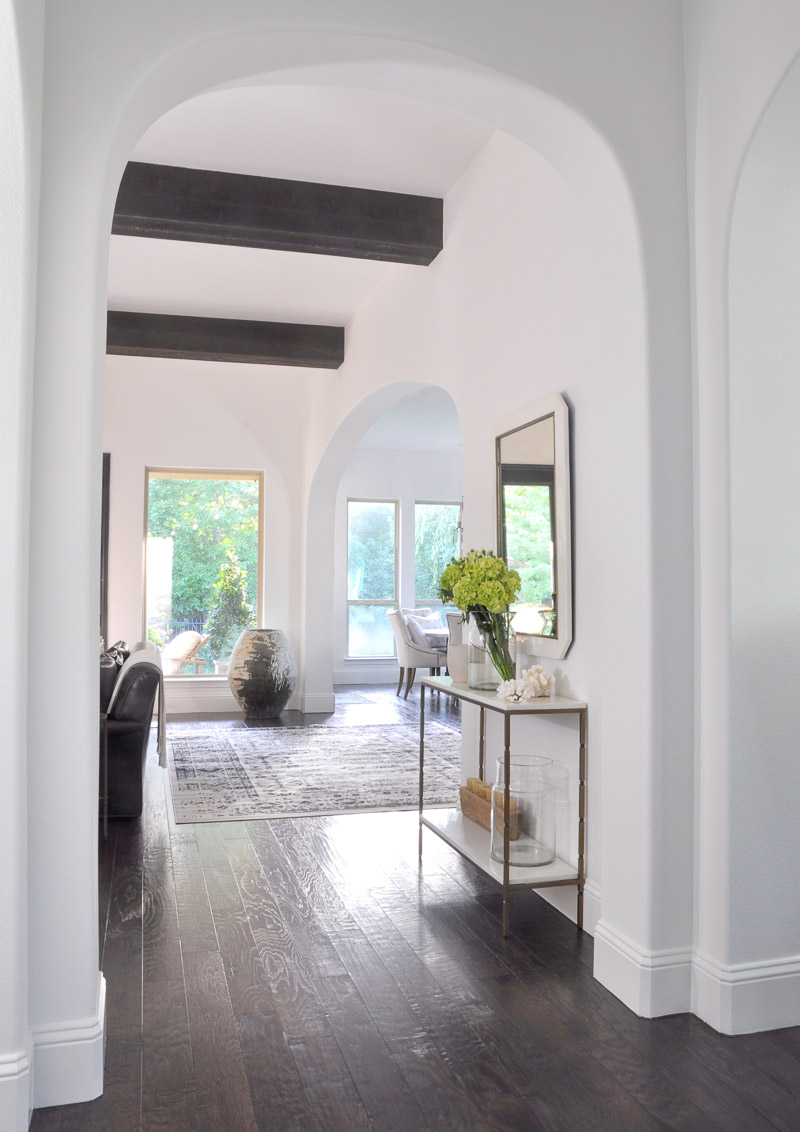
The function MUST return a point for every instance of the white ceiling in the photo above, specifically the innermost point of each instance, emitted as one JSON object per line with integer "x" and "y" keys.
{"x": 173, "y": 277}
{"x": 329, "y": 135}
{"x": 332, "y": 135}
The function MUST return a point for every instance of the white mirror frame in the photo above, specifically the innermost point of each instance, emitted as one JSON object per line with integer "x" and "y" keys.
{"x": 555, "y": 405}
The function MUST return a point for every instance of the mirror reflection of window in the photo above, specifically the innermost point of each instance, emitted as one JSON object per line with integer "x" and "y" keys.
{"x": 437, "y": 539}
{"x": 528, "y": 523}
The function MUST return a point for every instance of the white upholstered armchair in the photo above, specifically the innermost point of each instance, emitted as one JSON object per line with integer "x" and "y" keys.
{"x": 412, "y": 655}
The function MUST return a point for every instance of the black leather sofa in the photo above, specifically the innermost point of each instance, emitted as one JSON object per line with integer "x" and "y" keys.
{"x": 128, "y": 687}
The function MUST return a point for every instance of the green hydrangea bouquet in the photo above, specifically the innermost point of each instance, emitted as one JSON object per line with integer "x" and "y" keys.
{"x": 481, "y": 584}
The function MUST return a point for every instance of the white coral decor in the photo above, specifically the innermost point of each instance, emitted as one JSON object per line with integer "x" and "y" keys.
{"x": 529, "y": 685}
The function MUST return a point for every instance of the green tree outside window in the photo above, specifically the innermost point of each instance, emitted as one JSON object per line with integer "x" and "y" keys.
{"x": 211, "y": 528}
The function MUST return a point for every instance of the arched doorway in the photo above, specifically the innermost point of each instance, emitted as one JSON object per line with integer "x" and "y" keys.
{"x": 72, "y": 308}
{"x": 386, "y": 467}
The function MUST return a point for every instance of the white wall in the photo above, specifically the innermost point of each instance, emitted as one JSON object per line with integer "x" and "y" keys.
{"x": 406, "y": 476}
{"x": 204, "y": 415}
{"x": 21, "y": 40}
{"x": 507, "y": 313}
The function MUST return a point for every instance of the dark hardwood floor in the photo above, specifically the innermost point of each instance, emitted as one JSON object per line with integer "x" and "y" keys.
{"x": 303, "y": 974}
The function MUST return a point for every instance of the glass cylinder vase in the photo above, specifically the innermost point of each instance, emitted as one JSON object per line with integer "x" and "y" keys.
{"x": 533, "y": 797}
{"x": 482, "y": 672}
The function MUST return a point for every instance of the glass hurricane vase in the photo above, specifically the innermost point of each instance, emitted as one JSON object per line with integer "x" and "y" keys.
{"x": 533, "y": 795}
{"x": 491, "y": 651}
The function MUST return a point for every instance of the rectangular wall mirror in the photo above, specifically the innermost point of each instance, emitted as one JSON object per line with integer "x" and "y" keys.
{"x": 534, "y": 523}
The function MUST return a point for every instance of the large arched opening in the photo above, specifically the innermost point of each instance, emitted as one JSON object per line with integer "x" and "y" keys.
{"x": 616, "y": 359}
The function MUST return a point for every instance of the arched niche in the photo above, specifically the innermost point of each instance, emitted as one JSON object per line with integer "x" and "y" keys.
{"x": 319, "y": 556}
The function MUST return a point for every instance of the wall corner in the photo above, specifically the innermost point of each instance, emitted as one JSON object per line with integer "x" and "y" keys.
{"x": 16, "y": 1088}
{"x": 68, "y": 1058}
{"x": 650, "y": 983}
{"x": 748, "y": 997}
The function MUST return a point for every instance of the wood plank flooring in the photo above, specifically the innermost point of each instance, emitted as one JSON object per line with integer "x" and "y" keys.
{"x": 304, "y": 974}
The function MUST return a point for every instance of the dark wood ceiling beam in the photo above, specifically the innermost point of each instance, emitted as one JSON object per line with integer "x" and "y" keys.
{"x": 224, "y": 340}
{"x": 169, "y": 202}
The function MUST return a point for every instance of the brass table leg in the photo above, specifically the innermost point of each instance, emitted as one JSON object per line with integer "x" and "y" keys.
{"x": 421, "y": 759}
{"x": 506, "y": 819}
{"x": 581, "y": 816}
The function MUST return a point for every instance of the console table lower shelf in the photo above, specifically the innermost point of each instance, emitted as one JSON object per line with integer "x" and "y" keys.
{"x": 474, "y": 842}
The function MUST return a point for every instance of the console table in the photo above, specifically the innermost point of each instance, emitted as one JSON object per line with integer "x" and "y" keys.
{"x": 472, "y": 840}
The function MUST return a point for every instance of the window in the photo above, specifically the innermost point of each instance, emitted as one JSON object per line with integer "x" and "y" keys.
{"x": 371, "y": 576}
{"x": 201, "y": 565}
{"x": 437, "y": 539}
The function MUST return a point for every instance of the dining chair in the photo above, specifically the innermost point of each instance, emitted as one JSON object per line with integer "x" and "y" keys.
{"x": 411, "y": 656}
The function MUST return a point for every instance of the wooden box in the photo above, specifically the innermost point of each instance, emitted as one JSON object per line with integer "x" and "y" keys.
{"x": 478, "y": 808}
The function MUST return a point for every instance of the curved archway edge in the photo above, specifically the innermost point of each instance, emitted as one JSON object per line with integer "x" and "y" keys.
{"x": 727, "y": 115}
{"x": 72, "y": 316}
{"x": 760, "y": 450}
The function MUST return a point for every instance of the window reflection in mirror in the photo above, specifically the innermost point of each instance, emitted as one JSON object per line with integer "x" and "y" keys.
{"x": 527, "y": 522}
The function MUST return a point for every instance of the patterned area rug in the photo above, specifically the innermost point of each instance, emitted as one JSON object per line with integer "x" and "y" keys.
{"x": 232, "y": 774}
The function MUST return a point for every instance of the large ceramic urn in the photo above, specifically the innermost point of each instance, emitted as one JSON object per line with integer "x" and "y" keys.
{"x": 263, "y": 672}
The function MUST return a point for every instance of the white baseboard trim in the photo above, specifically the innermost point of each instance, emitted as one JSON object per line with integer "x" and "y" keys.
{"x": 206, "y": 695}
{"x": 317, "y": 703}
{"x": 189, "y": 695}
{"x": 747, "y": 997}
{"x": 743, "y": 998}
{"x": 16, "y": 1088}
{"x": 651, "y": 983}
{"x": 68, "y": 1058}
{"x": 367, "y": 672}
